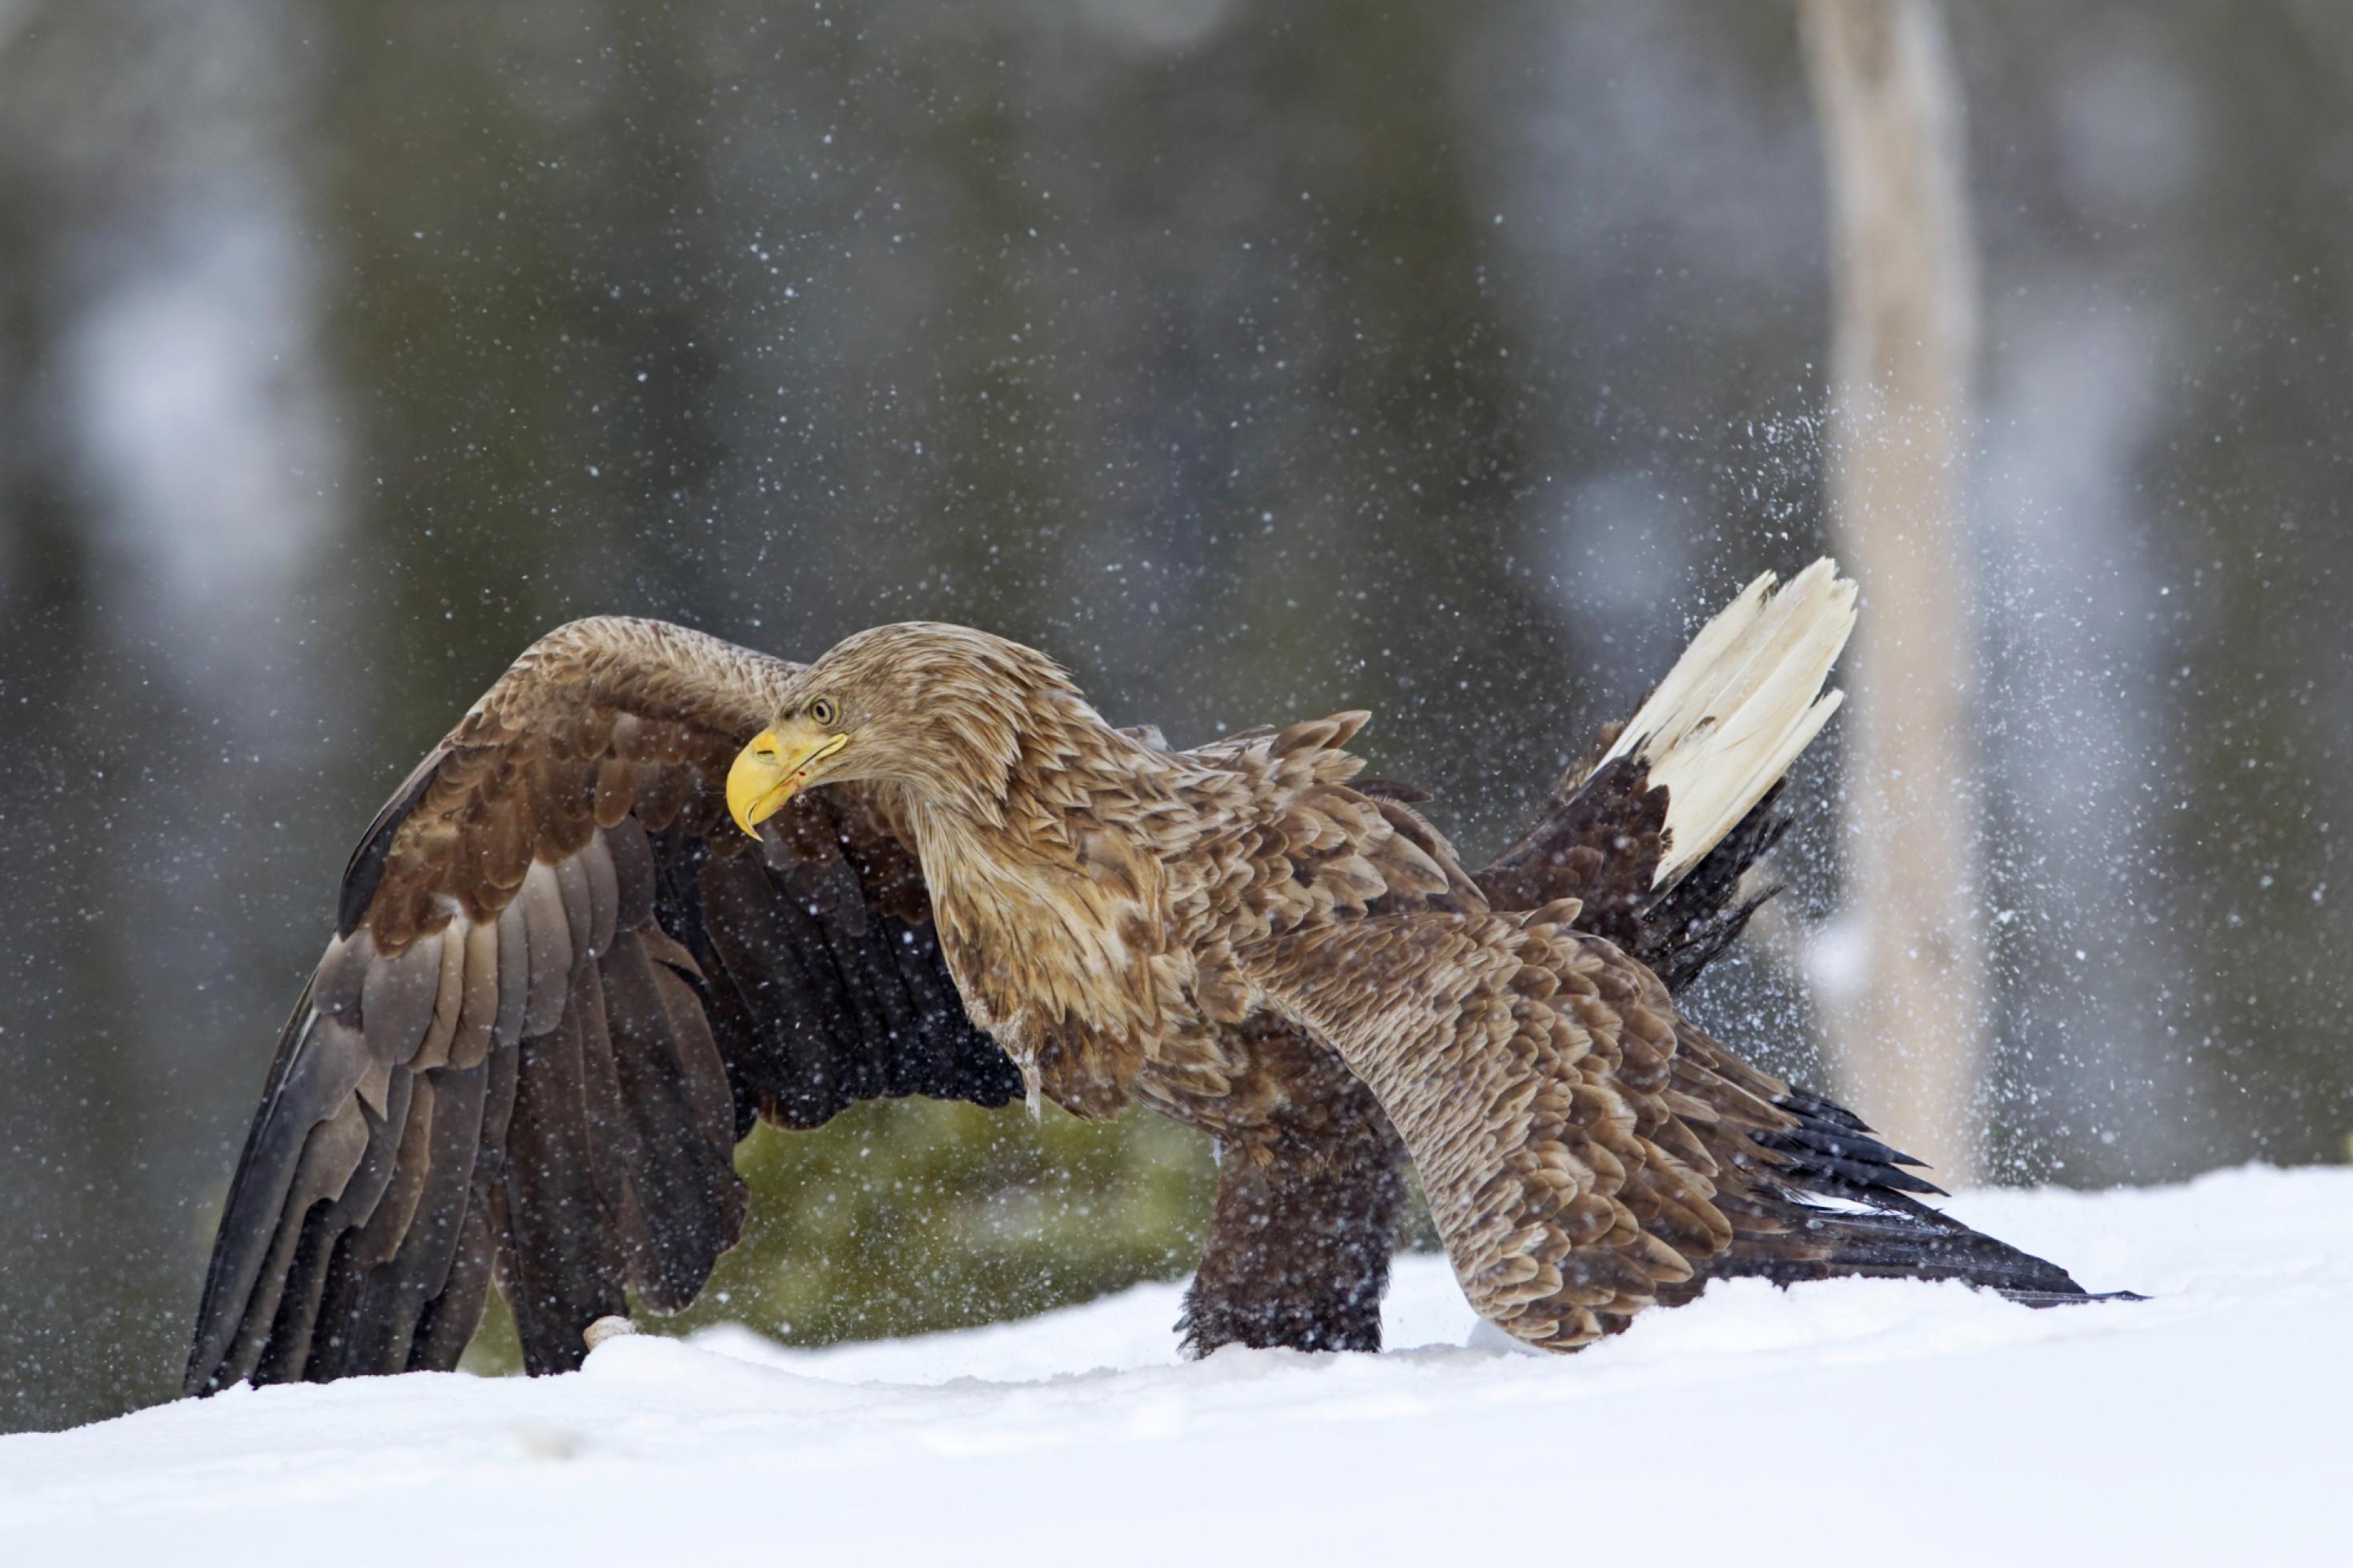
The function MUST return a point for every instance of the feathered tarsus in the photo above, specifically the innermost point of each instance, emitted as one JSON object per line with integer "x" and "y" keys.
{"x": 562, "y": 987}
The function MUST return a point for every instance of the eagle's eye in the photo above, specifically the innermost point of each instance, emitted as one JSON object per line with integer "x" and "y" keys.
{"x": 825, "y": 710}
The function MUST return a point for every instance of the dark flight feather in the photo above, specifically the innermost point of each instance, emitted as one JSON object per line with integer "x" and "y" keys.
{"x": 541, "y": 1028}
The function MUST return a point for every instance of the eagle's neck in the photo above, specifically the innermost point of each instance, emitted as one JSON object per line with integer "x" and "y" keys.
{"x": 1047, "y": 899}
{"x": 1030, "y": 782}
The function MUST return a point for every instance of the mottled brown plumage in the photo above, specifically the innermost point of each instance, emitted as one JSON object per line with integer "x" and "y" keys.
{"x": 1130, "y": 922}
{"x": 562, "y": 987}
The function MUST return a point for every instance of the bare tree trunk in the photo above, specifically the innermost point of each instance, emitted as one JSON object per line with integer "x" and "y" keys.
{"x": 1906, "y": 1035}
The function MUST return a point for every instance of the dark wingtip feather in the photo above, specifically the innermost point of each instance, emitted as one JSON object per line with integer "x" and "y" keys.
{"x": 1684, "y": 929}
{"x": 1601, "y": 842}
{"x": 314, "y": 1069}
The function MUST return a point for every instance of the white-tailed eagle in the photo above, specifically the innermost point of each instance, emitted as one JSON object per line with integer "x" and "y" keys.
{"x": 563, "y": 986}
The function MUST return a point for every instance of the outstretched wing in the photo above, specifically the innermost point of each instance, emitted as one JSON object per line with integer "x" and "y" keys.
{"x": 562, "y": 987}
{"x": 1655, "y": 834}
{"x": 1586, "y": 1152}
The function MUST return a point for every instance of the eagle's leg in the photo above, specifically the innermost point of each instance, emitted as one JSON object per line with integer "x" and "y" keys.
{"x": 1298, "y": 1255}
{"x": 1311, "y": 1195}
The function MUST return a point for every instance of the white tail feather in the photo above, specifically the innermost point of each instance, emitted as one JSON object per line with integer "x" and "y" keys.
{"x": 1740, "y": 704}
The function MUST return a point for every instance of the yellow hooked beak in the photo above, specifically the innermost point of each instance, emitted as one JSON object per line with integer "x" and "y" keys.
{"x": 773, "y": 768}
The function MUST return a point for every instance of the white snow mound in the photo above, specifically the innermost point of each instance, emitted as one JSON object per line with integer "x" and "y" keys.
{"x": 1907, "y": 1422}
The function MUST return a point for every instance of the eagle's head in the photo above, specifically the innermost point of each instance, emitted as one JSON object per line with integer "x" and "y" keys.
{"x": 942, "y": 711}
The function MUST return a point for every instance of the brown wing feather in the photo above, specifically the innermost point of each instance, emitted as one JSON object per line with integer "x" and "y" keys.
{"x": 1520, "y": 1088}
{"x": 556, "y": 998}
{"x": 1599, "y": 839}
{"x": 1586, "y": 1151}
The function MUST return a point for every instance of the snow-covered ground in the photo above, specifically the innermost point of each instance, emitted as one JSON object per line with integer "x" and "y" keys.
{"x": 1850, "y": 1421}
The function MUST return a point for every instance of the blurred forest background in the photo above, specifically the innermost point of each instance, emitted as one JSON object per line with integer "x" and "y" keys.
{"x": 1445, "y": 357}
